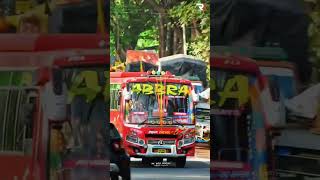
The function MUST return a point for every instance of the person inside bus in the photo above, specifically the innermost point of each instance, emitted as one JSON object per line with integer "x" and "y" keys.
{"x": 171, "y": 107}
{"x": 30, "y": 24}
{"x": 153, "y": 106}
{"x": 79, "y": 109}
{"x": 138, "y": 106}
{"x": 97, "y": 126}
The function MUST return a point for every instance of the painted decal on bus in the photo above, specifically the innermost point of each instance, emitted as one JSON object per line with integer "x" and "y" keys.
{"x": 160, "y": 89}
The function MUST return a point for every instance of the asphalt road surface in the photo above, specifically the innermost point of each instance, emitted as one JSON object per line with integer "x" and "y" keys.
{"x": 197, "y": 167}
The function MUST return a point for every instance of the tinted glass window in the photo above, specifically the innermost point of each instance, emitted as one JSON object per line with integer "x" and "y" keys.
{"x": 231, "y": 112}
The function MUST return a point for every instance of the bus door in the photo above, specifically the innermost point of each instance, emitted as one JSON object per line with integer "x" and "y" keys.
{"x": 78, "y": 141}
{"x": 237, "y": 151}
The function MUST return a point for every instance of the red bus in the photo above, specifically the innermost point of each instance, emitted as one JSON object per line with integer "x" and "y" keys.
{"x": 154, "y": 113}
{"x": 239, "y": 149}
{"x": 37, "y": 140}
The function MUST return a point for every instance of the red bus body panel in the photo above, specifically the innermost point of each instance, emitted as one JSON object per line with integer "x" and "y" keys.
{"x": 117, "y": 116}
{"x": 40, "y": 52}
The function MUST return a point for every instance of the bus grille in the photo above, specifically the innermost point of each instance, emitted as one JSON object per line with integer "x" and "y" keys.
{"x": 164, "y": 142}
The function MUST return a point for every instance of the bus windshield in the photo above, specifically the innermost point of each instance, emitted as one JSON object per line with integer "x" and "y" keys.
{"x": 150, "y": 101}
{"x": 230, "y": 112}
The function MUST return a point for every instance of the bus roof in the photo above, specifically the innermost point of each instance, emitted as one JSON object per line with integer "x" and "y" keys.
{"x": 122, "y": 77}
{"x": 19, "y": 50}
{"x": 276, "y": 64}
{"x": 235, "y": 63}
{"x": 50, "y": 42}
{"x": 257, "y": 53}
{"x": 127, "y": 74}
{"x": 101, "y": 60}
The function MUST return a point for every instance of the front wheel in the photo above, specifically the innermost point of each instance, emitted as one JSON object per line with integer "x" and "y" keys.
{"x": 146, "y": 162}
{"x": 181, "y": 162}
{"x": 114, "y": 177}
{"x": 126, "y": 174}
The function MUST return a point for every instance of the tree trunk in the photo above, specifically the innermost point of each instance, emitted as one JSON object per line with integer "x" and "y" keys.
{"x": 170, "y": 41}
{"x": 184, "y": 37}
{"x": 179, "y": 40}
{"x": 162, "y": 36}
{"x": 123, "y": 54}
{"x": 175, "y": 41}
{"x": 194, "y": 31}
{"x": 118, "y": 46}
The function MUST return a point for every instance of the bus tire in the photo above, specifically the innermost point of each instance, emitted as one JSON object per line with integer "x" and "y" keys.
{"x": 114, "y": 177}
{"x": 146, "y": 162}
{"x": 181, "y": 162}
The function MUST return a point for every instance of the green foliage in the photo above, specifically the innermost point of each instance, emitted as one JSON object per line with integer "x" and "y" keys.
{"x": 314, "y": 32}
{"x": 130, "y": 20}
{"x": 190, "y": 15}
{"x": 135, "y": 25}
{"x": 148, "y": 39}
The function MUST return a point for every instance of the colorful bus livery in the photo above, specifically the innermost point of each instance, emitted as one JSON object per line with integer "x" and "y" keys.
{"x": 34, "y": 105}
{"x": 155, "y": 115}
{"x": 160, "y": 89}
{"x": 237, "y": 109}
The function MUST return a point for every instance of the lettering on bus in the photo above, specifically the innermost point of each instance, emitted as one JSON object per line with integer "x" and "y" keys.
{"x": 160, "y": 89}
{"x": 233, "y": 88}
{"x": 86, "y": 83}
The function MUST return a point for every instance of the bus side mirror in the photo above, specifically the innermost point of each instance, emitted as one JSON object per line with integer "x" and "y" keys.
{"x": 195, "y": 97}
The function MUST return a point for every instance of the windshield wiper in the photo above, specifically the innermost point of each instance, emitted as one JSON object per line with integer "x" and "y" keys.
{"x": 174, "y": 122}
{"x": 143, "y": 122}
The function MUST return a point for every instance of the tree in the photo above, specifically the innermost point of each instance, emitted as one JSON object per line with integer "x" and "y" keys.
{"x": 159, "y": 24}
{"x": 314, "y": 32}
{"x": 128, "y": 20}
{"x": 197, "y": 19}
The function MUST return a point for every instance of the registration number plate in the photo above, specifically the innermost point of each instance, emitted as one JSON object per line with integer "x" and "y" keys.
{"x": 161, "y": 151}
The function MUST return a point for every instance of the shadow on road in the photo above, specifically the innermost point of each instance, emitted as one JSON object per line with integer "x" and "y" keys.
{"x": 190, "y": 164}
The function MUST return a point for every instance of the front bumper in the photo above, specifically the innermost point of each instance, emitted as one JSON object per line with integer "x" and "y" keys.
{"x": 114, "y": 168}
{"x": 173, "y": 151}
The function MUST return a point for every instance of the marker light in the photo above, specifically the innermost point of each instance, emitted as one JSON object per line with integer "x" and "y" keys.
{"x": 163, "y": 73}
{"x": 153, "y": 72}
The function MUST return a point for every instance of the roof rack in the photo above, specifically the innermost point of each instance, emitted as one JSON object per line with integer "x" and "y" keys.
{"x": 256, "y": 53}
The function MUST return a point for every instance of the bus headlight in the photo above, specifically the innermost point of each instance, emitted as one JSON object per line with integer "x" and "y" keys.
{"x": 185, "y": 141}
{"x": 135, "y": 140}
{"x": 180, "y": 144}
{"x": 141, "y": 142}
{"x": 132, "y": 139}
{"x": 188, "y": 140}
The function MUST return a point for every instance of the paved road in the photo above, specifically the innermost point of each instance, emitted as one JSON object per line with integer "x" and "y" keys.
{"x": 196, "y": 168}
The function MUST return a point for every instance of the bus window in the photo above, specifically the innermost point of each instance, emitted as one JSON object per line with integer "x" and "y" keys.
{"x": 115, "y": 96}
{"x": 233, "y": 145}
{"x": 17, "y": 110}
